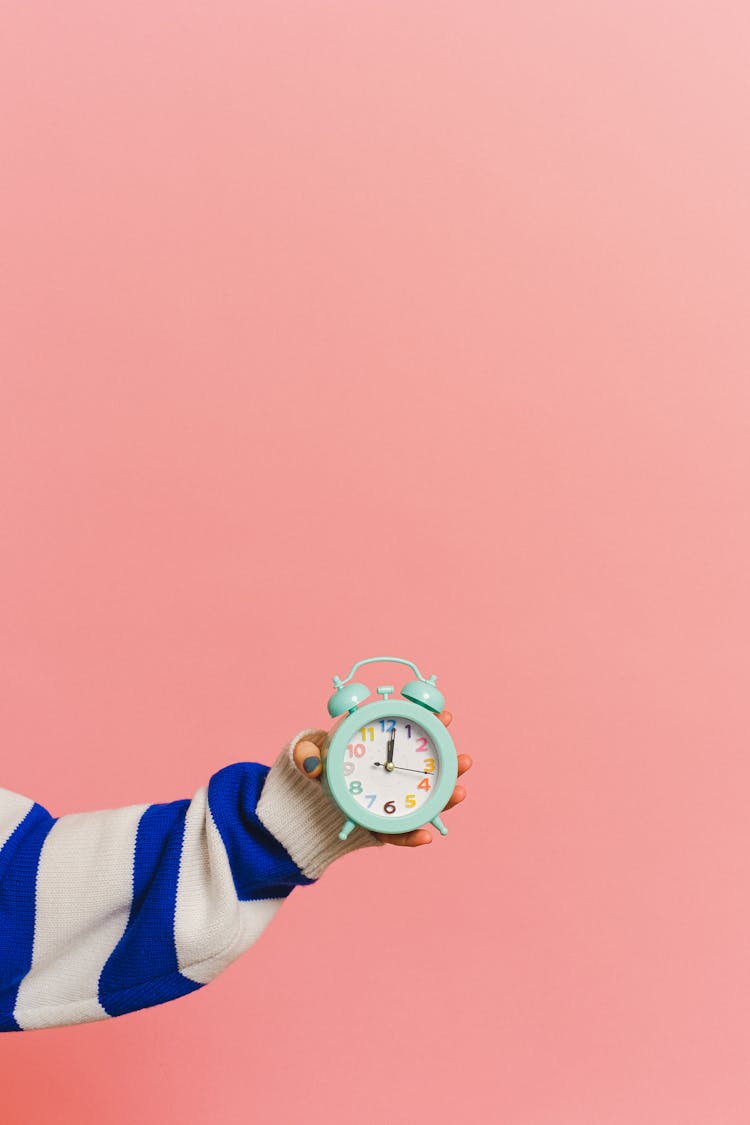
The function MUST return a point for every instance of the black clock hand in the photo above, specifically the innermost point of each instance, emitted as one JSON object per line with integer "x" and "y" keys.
{"x": 390, "y": 748}
{"x": 395, "y": 767}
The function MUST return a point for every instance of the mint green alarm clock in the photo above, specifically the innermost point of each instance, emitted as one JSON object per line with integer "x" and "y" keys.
{"x": 391, "y": 766}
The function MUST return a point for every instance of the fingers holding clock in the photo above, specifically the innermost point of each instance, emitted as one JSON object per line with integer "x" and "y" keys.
{"x": 405, "y": 839}
{"x": 309, "y": 752}
{"x": 465, "y": 762}
{"x": 457, "y": 796}
{"x": 459, "y": 793}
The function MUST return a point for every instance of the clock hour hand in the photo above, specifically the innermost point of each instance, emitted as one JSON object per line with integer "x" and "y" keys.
{"x": 390, "y": 748}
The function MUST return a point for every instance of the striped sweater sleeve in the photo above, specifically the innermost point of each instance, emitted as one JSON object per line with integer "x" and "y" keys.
{"x": 103, "y": 913}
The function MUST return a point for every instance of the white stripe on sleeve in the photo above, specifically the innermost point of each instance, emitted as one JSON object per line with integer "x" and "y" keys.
{"x": 83, "y": 899}
{"x": 212, "y": 927}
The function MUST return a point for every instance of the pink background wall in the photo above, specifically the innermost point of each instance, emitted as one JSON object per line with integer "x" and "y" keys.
{"x": 332, "y": 328}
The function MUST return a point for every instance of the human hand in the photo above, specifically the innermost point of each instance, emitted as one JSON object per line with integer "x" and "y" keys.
{"x": 310, "y": 753}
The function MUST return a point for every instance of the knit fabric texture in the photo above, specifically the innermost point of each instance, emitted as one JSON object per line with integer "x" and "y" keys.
{"x": 104, "y": 913}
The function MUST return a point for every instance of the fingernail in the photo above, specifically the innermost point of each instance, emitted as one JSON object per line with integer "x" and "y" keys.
{"x": 311, "y": 764}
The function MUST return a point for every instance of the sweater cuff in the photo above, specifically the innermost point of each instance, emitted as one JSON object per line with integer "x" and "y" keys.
{"x": 303, "y": 818}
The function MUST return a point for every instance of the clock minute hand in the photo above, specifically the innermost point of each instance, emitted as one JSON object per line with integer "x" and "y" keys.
{"x": 395, "y": 767}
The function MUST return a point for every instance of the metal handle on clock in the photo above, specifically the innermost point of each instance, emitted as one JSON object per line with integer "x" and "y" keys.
{"x": 383, "y": 660}
{"x": 422, "y": 690}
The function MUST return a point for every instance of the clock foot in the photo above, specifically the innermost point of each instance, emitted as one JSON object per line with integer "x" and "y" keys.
{"x": 439, "y": 825}
{"x": 348, "y": 825}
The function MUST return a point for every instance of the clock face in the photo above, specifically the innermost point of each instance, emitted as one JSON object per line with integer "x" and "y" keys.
{"x": 391, "y": 767}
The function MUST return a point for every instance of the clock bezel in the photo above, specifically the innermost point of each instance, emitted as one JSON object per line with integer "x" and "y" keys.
{"x": 335, "y": 781}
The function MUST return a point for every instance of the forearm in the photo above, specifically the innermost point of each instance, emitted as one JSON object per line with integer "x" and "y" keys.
{"x": 103, "y": 913}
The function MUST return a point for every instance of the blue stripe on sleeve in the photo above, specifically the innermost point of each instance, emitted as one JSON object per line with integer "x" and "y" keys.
{"x": 142, "y": 969}
{"x": 260, "y": 865}
{"x": 19, "y": 863}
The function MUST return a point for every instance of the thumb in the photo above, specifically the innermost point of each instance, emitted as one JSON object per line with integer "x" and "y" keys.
{"x": 308, "y": 754}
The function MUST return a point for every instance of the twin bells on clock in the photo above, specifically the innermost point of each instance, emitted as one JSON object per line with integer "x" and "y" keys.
{"x": 348, "y": 696}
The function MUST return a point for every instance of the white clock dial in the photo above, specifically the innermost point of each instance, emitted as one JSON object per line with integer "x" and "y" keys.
{"x": 391, "y": 767}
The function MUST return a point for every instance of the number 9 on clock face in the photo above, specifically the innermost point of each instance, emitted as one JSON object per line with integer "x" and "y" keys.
{"x": 390, "y": 767}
